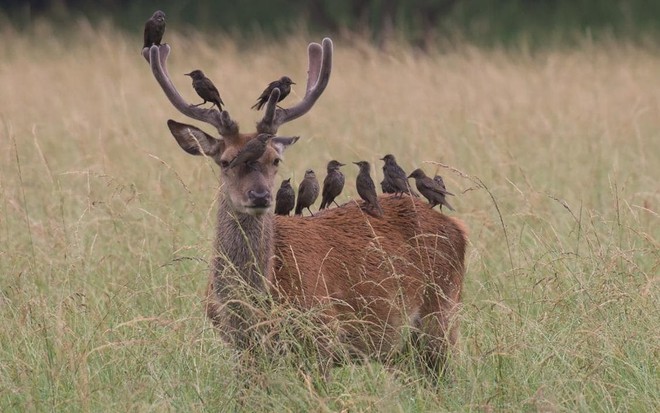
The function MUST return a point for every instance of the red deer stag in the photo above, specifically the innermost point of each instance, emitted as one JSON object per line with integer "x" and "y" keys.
{"x": 375, "y": 280}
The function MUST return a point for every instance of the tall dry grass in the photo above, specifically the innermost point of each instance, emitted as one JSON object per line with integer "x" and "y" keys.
{"x": 106, "y": 225}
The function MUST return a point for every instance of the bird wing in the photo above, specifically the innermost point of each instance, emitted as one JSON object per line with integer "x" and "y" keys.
{"x": 431, "y": 185}
{"x": 331, "y": 183}
{"x": 266, "y": 93}
{"x": 206, "y": 82}
{"x": 148, "y": 27}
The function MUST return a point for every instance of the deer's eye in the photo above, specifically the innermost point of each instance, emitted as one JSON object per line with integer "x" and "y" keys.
{"x": 277, "y": 161}
{"x": 224, "y": 163}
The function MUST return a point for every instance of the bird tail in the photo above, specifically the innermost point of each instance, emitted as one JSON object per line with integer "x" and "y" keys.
{"x": 298, "y": 209}
{"x": 451, "y": 208}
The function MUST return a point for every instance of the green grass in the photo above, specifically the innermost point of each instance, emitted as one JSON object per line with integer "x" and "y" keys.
{"x": 106, "y": 225}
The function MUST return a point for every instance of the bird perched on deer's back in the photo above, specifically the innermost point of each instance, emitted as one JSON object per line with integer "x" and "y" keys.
{"x": 367, "y": 189}
{"x": 283, "y": 84}
{"x": 431, "y": 190}
{"x": 154, "y": 29}
{"x": 308, "y": 191}
{"x": 395, "y": 179}
{"x": 252, "y": 151}
{"x": 285, "y": 198}
{"x": 205, "y": 89}
{"x": 332, "y": 184}
{"x": 438, "y": 179}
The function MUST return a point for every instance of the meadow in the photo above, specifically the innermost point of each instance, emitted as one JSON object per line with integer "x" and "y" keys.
{"x": 106, "y": 226}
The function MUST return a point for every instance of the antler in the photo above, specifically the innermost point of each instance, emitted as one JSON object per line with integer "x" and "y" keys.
{"x": 157, "y": 55}
{"x": 318, "y": 75}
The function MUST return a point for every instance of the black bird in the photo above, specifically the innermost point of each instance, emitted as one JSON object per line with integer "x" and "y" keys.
{"x": 308, "y": 191}
{"x": 154, "y": 28}
{"x": 395, "y": 180}
{"x": 332, "y": 184}
{"x": 205, "y": 89}
{"x": 386, "y": 187}
{"x": 367, "y": 189}
{"x": 283, "y": 84}
{"x": 438, "y": 179}
{"x": 285, "y": 198}
{"x": 252, "y": 151}
{"x": 430, "y": 189}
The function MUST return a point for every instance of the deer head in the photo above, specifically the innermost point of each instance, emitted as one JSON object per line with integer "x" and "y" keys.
{"x": 247, "y": 187}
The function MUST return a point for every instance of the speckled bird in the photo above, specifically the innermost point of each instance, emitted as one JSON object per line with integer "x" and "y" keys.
{"x": 283, "y": 84}
{"x": 395, "y": 179}
{"x": 154, "y": 29}
{"x": 285, "y": 199}
{"x": 367, "y": 189}
{"x": 308, "y": 191}
{"x": 430, "y": 189}
{"x": 333, "y": 184}
{"x": 205, "y": 89}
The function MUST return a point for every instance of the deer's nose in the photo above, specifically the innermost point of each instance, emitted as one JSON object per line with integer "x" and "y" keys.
{"x": 259, "y": 199}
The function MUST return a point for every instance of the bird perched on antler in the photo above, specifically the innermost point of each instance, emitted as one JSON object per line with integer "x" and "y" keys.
{"x": 367, "y": 189}
{"x": 283, "y": 84}
{"x": 205, "y": 89}
{"x": 432, "y": 190}
{"x": 395, "y": 180}
{"x": 308, "y": 191}
{"x": 332, "y": 184}
{"x": 154, "y": 29}
{"x": 285, "y": 199}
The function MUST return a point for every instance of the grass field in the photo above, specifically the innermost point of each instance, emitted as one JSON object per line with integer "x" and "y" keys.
{"x": 106, "y": 225}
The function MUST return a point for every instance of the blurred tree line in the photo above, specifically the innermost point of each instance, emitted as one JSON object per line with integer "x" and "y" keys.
{"x": 420, "y": 21}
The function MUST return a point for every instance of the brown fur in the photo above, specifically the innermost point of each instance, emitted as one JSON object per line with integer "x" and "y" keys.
{"x": 375, "y": 276}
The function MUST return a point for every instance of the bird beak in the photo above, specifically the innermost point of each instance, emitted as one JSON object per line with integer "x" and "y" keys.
{"x": 382, "y": 159}
{"x": 357, "y": 163}
{"x": 409, "y": 176}
{"x": 342, "y": 164}
{"x": 188, "y": 74}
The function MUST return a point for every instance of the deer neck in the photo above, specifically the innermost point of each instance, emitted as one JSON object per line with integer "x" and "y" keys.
{"x": 244, "y": 245}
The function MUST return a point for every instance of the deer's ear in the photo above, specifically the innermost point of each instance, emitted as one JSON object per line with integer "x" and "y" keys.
{"x": 194, "y": 140}
{"x": 280, "y": 143}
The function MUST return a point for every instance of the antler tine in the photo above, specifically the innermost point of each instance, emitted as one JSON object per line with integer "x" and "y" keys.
{"x": 318, "y": 75}
{"x": 157, "y": 55}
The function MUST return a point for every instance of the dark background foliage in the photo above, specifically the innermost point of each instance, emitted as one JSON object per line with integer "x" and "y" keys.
{"x": 421, "y": 22}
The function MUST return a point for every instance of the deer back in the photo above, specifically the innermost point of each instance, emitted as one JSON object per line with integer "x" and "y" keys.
{"x": 381, "y": 272}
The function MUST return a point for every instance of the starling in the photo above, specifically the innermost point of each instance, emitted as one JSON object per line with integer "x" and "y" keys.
{"x": 308, "y": 191}
{"x": 285, "y": 198}
{"x": 205, "y": 89}
{"x": 332, "y": 184}
{"x": 386, "y": 187}
{"x": 367, "y": 189}
{"x": 283, "y": 84}
{"x": 154, "y": 29}
{"x": 438, "y": 179}
{"x": 431, "y": 190}
{"x": 395, "y": 180}
{"x": 252, "y": 151}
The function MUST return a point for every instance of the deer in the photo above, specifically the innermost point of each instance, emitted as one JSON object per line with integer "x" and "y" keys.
{"x": 377, "y": 282}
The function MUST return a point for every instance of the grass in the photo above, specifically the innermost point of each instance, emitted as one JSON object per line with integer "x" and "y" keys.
{"x": 106, "y": 225}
